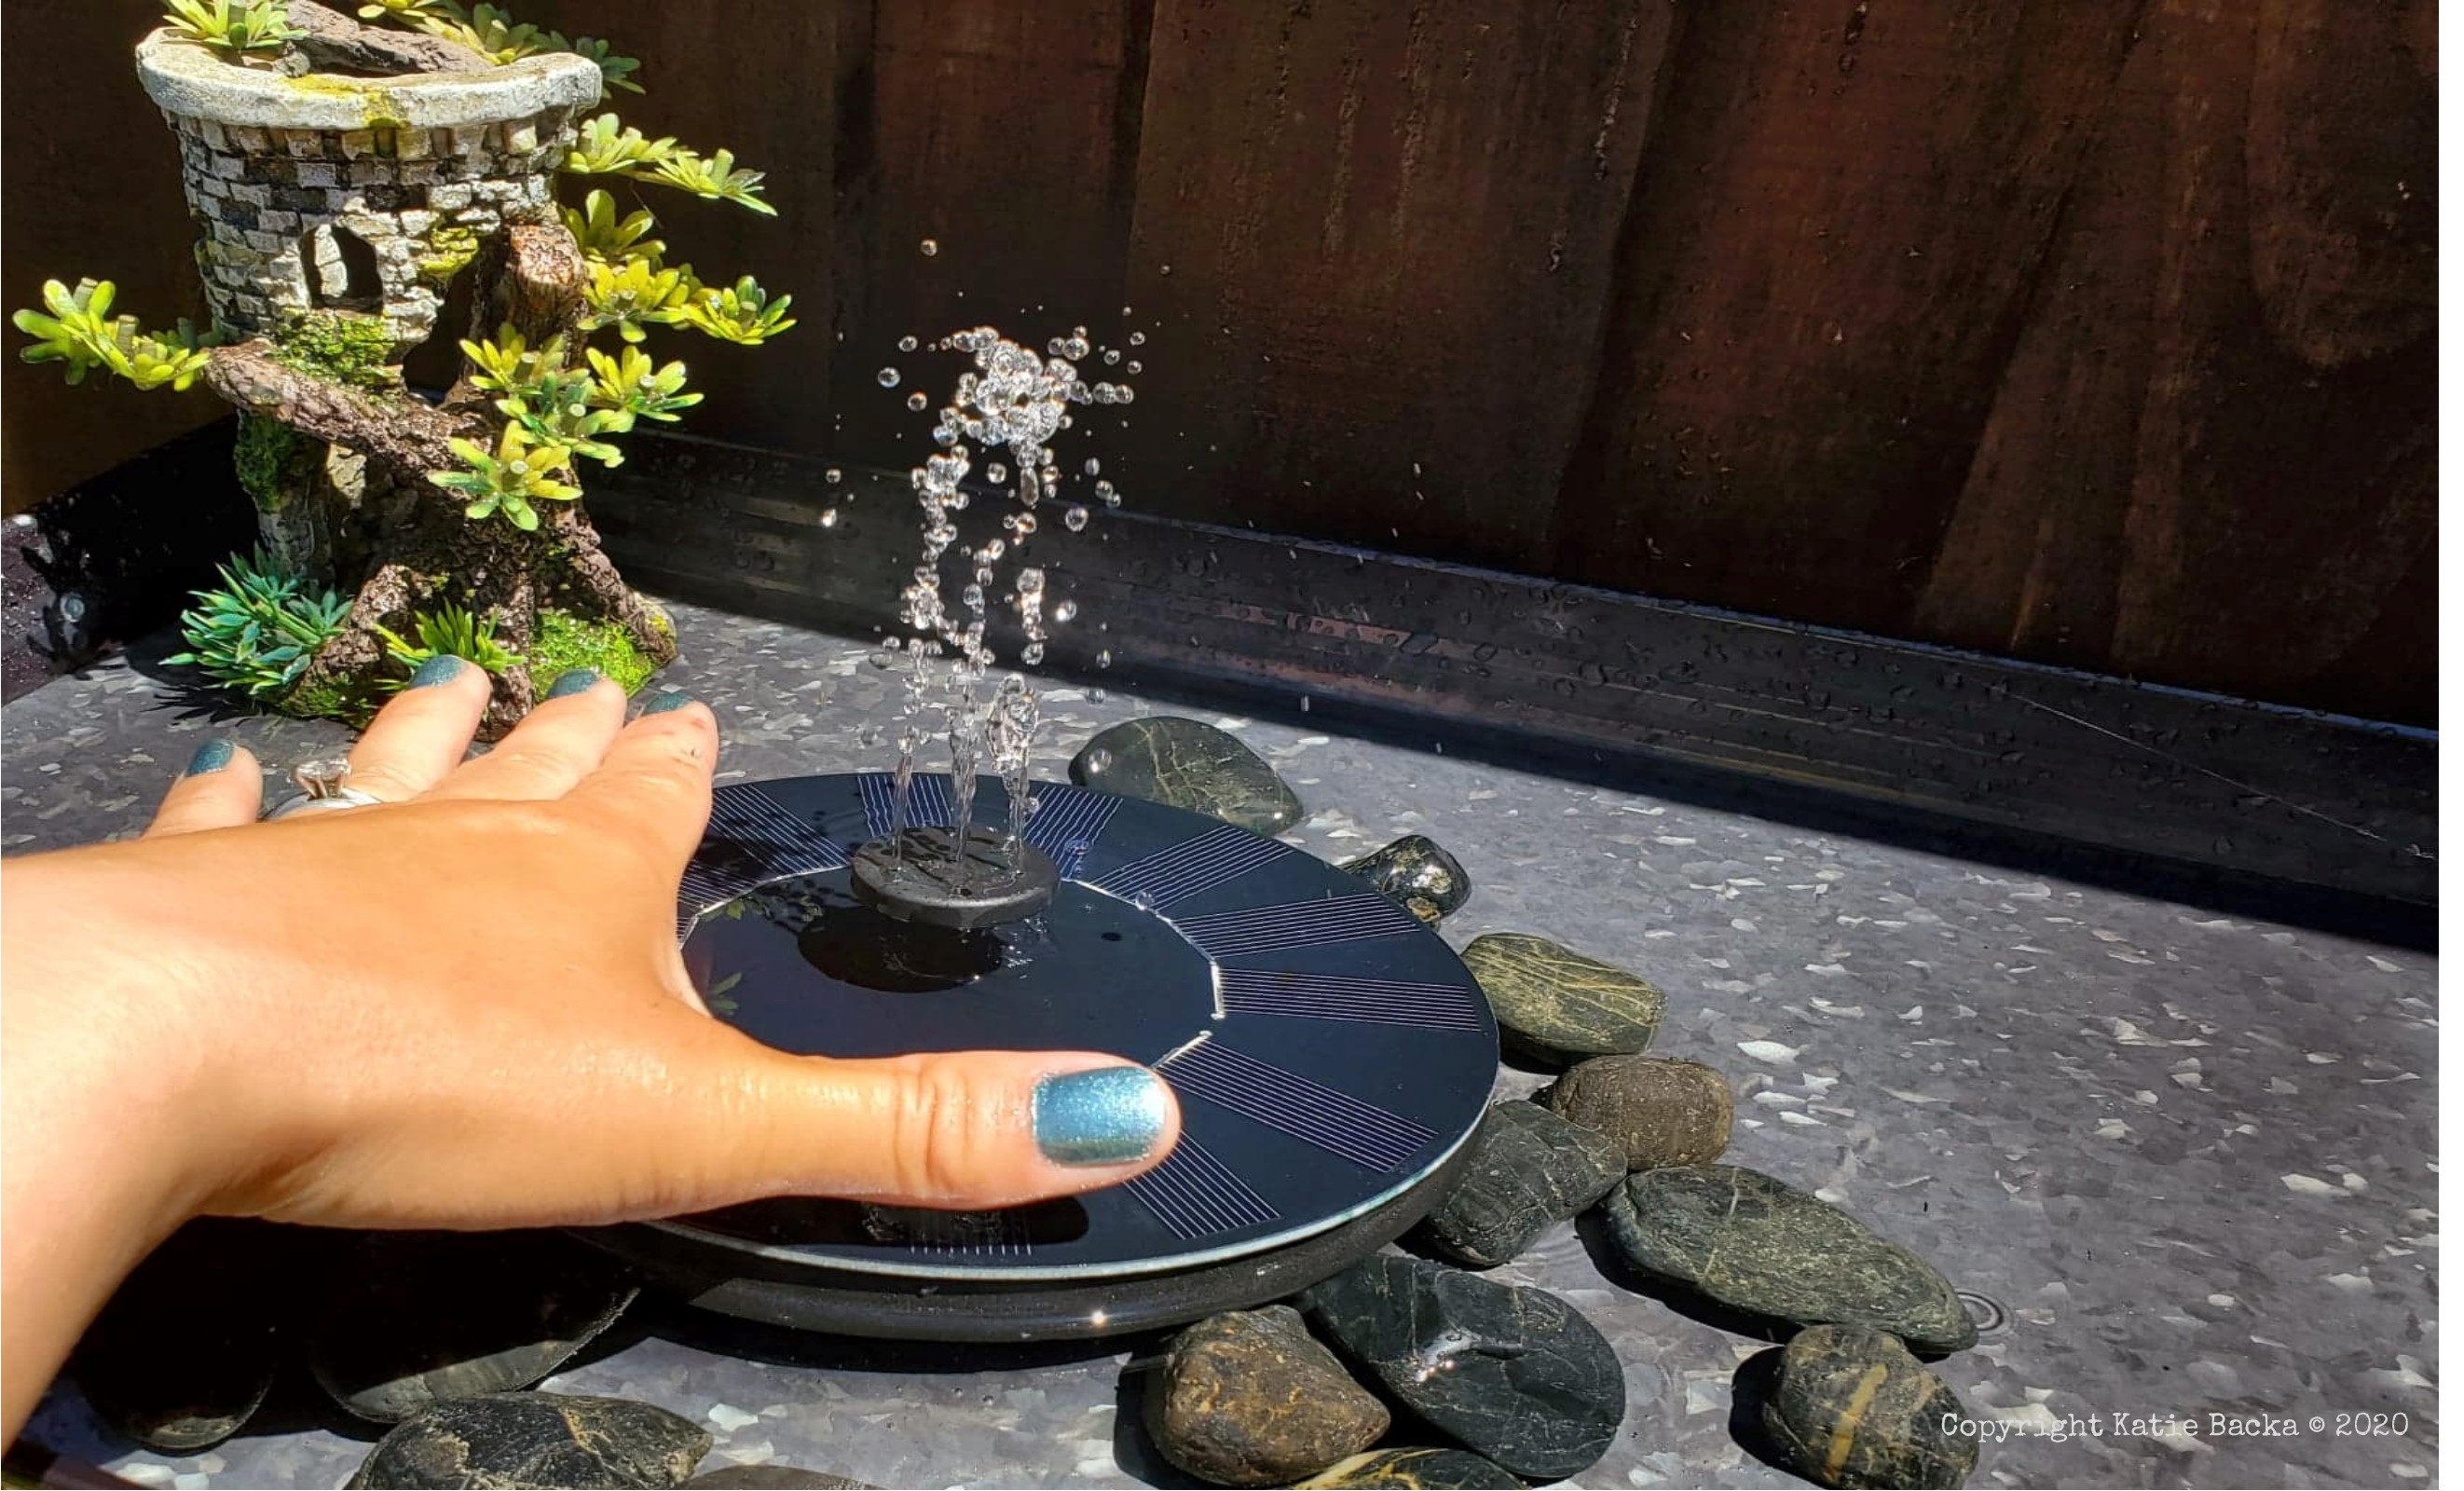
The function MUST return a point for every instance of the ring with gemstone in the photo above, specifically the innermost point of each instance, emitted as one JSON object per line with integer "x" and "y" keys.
{"x": 320, "y": 790}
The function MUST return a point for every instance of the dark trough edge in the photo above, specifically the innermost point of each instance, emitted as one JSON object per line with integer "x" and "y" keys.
{"x": 2273, "y": 811}
{"x": 2265, "y": 810}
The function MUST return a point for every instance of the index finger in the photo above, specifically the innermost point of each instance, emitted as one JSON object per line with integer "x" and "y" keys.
{"x": 654, "y": 782}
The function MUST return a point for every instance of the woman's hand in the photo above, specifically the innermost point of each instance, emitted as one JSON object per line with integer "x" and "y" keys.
{"x": 462, "y": 1007}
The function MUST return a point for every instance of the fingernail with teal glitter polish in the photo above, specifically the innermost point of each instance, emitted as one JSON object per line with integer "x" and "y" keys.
{"x": 210, "y": 757}
{"x": 1107, "y": 1117}
{"x": 661, "y": 704}
{"x": 442, "y": 669}
{"x": 575, "y": 681}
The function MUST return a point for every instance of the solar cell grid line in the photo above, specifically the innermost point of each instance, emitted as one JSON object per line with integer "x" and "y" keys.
{"x": 1195, "y": 1195}
{"x": 1069, "y": 816}
{"x": 1298, "y": 924}
{"x": 1316, "y": 1114}
{"x": 928, "y": 802}
{"x": 1258, "y": 991}
{"x": 1193, "y": 865}
{"x": 748, "y": 815}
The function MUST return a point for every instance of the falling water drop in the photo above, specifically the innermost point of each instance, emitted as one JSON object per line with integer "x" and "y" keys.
{"x": 833, "y": 475}
{"x": 1065, "y": 611}
{"x": 906, "y": 344}
{"x": 1103, "y": 659}
{"x": 1031, "y": 654}
{"x": 888, "y": 378}
{"x": 1094, "y": 467}
{"x": 830, "y": 517}
{"x": 929, "y": 248}
{"x": 1111, "y": 355}
{"x": 997, "y": 473}
{"x": 917, "y": 401}
{"x": 1136, "y": 367}
{"x": 1075, "y": 519}
{"x": 1138, "y": 338}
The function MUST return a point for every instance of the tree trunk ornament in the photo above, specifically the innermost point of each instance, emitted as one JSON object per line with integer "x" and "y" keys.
{"x": 346, "y": 174}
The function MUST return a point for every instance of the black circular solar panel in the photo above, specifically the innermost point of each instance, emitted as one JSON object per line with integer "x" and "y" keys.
{"x": 1329, "y": 1052}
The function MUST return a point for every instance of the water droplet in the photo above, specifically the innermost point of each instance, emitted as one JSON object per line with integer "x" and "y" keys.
{"x": 1100, "y": 696}
{"x": 906, "y": 344}
{"x": 1111, "y": 355}
{"x": 1103, "y": 659}
{"x": 1065, "y": 611}
{"x": 1075, "y": 519}
{"x": 830, "y": 517}
{"x": 883, "y": 657}
{"x": 929, "y": 248}
{"x": 1136, "y": 367}
{"x": 1031, "y": 654}
{"x": 888, "y": 378}
{"x": 997, "y": 473}
{"x": 833, "y": 475}
{"x": 1303, "y": 704}
{"x": 1138, "y": 338}
{"x": 917, "y": 401}
{"x": 1167, "y": 269}
{"x": 1094, "y": 467}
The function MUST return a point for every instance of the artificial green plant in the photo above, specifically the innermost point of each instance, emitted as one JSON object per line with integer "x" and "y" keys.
{"x": 457, "y": 524}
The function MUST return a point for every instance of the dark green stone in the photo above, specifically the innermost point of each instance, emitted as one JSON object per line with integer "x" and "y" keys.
{"x": 1418, "y": 875}
{"x": 1251, "y": 1399}
{"x": 1852, "y": 1408}
{"x": 1660, "y": 1111}
{"x": 1527, "y": 1171}
{"x": 1515, "y": 1374}
{"x": 1756, "y": 1244}
{"x": 771, "y": 1478}
{"x": 1414, "y": 1470}
{"x": 1168, "y": 759}
{"x": 535, "y": 1441}
{"x": 426, "y": 1317}
{"x": 1560, "y": 1005}
{"x": 187, "y": 1347}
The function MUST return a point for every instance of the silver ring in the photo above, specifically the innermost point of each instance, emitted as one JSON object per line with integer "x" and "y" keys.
{"x": 320, "y": 790}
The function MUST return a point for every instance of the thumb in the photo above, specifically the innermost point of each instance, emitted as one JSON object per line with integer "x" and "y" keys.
{"x": 969, "y": 1130}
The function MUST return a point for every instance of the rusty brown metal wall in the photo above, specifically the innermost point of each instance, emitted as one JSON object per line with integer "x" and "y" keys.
{"x": 2097, "y": 333}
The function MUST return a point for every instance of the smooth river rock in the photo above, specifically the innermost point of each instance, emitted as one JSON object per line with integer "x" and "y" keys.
{"x": 1165, "y": 759}
{"x": 1417, "y": 874}
{"x": 1558, "y": 1005}
{"x": 1743, "y": 1239}
{"x": 419, "y": 1318}
{"x": 1413, "y": 1470}
{"x": 1528, "y": 1169}
{"x": 1251, "y": 1399}
{"x": 1515, "y": 1374}
{"x": 535, "y": 1441}
{"x": 190, "y": 1343}
{"x": 771, "y": 1478}
{"x": 1853, "y": 1408}
{"x": 1658, "y": 1109}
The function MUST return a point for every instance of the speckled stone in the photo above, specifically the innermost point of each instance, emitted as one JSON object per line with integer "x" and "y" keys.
{"x": 1558, "y": 1005}
{"x": 188, "y": 1345}
{"x": 1165, "y": 759}
{"x": 1528, "y": 1169}
{"x": 1853, "y": 1408}
{"x": 771, "y": 1478}
{"x": 1757, "y": 1244}
{"x": 1417, "y": 874}
{"x": 1413, "y": 1470}
{"x": 1660, "y": 1111}
{"x": 1516, "y": 1374}
{"x": 517, "y": 1441}
{"x": 419, "y": 1318}
{"x": 1251, "y": 1399}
